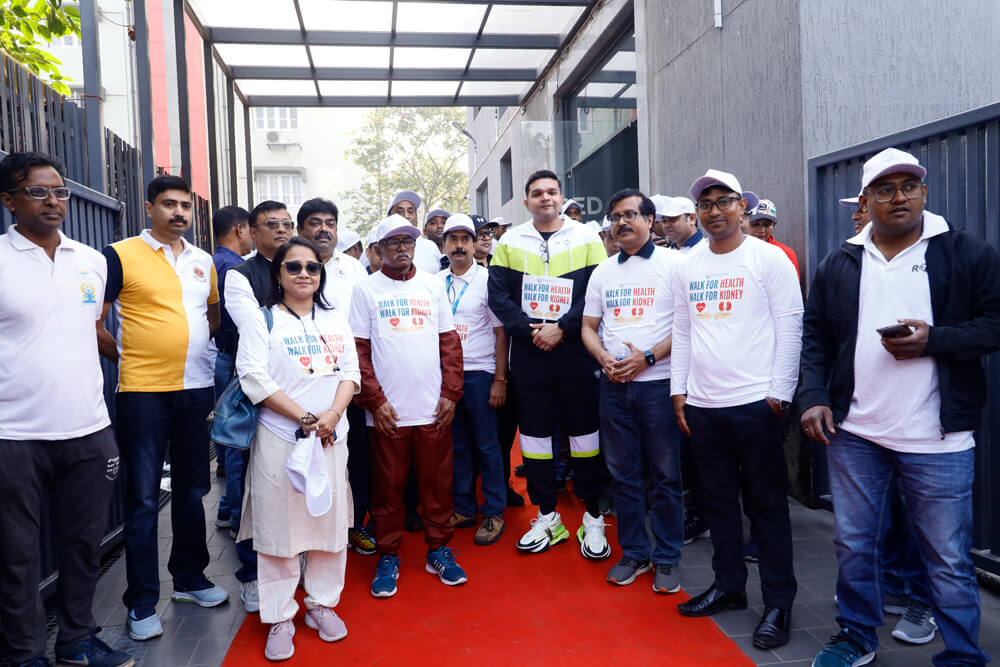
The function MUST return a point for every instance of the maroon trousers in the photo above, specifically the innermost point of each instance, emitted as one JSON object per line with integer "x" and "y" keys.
{"x": 430, "y": 450}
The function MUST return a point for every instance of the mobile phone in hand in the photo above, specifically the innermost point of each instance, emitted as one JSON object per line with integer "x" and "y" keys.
{"x": 895, "y": 331}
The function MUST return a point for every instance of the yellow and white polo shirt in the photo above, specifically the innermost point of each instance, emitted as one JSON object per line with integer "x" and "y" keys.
{"x": 161, "y": 304}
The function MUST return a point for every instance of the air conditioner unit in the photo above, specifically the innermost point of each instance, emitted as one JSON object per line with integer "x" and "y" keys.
{"x": 277, "y": 138}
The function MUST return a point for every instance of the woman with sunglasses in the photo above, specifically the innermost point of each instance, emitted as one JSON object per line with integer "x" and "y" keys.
{"x": 302, "y": 373}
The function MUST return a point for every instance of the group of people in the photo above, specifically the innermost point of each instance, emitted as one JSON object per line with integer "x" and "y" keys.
{"x": 390, "y": 389}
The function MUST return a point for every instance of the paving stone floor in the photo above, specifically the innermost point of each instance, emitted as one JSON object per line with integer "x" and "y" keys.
{"x": 195, "y": 636}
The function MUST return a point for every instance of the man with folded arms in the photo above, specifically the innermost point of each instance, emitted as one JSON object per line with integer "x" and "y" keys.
{"x": 411, "y": 379}
{"x": 631, "y": 294}
{"x": 897, "y": 322}
{"x": 738, "y": 293}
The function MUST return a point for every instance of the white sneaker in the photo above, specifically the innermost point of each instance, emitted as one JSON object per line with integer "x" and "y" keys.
{"x": 593, "y": 544}
{"x": 250, "y": 596}
{"x": 279, "y": 642}
{"x": 546, "y": 530}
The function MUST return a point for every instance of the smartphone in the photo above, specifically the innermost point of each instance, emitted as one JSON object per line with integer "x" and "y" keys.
{"x": 895, "y": 331}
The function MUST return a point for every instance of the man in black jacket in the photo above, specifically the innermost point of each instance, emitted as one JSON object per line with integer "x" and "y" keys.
{"x": 896, "y": 322}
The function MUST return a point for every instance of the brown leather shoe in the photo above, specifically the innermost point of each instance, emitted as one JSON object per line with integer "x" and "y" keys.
{"x": 489, "y": 530}
{"x": 461, "y": 521}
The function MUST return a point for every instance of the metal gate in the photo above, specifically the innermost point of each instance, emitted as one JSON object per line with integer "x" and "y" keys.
{"x": 962, "y": 157}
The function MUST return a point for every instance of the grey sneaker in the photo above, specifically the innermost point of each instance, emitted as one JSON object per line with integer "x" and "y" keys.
{"x": 917, "y": 625}
{"x": 626, "y": 570}
{"x": 279, "y": 642}
{"x": 666, "y": 580}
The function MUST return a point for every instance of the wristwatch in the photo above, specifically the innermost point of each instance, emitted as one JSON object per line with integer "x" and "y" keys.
{"x": 650, "y": 359}
{"x": 781, "y": 404}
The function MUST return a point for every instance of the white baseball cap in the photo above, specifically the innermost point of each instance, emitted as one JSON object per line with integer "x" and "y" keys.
{"x": 347, "y": 239}
{"x": 674, "y": 206}
{"x": 568, "y": 203}
{"x": 715, "y": 177}
{"x": 395, "y": 225}
{"x": 606, "y": 224}
{"x": 459, "y": 221}
{"x": 890, "y": 161}
{"x": 373, "y": 235}
{"x": 406, "y": 195}
{"x": 433, "y": 213}
{"x": 595, "y": 225}
{"x": 850, "y": 201}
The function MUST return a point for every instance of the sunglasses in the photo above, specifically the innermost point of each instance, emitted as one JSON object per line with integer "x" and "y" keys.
{"x": 294, "y": 267}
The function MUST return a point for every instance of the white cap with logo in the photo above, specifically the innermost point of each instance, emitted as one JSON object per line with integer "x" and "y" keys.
{"x": 459, "y": 221}
{"x": 890, "y": 161}
{"x": 395, "y": 225}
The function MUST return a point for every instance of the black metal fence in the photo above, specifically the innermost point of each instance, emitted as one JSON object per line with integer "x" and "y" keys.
{"x": 963, "y": 179}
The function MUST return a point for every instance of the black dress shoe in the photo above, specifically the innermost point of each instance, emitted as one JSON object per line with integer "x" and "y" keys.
{"x": 514, "y": 499}
{"x": 711, "y": 601}
{"x": 773, "y": 629}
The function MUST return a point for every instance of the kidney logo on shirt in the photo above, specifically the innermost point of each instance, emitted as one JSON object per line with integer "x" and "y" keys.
{"x": 405, "y": 314}
{"x": 724, "y": 293}
{"x": 630, "y": 304}
{"x": 199, "y": 274}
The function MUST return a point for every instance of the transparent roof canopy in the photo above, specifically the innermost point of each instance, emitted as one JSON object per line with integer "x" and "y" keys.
{"x": 386, "y": 52}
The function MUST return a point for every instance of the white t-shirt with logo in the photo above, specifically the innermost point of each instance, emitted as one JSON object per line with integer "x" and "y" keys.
{"x": 403, "y": 319}
{"x": 635, "y": 302}
{"x": 897, "y": 404}
{"x": 51, "y": 384}
{"x": 737, "y": 326}
{"x": 306, "y": 358}
{"x": 474, "y": 321}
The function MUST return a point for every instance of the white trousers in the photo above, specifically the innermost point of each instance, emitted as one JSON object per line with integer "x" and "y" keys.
{"x": 277, "y": 579}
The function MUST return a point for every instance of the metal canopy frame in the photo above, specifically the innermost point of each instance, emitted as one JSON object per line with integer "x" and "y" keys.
{"x": 473, "y": 39}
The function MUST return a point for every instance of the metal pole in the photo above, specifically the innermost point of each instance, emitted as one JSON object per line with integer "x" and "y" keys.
{"x": 183, "y": 110}
{"x": 231, "y": 122}
{"x": 145, "y": 92}
{"x": 96, "y": 165}
{"x": 213, "y": 147}
{"x": 249, "y": 155}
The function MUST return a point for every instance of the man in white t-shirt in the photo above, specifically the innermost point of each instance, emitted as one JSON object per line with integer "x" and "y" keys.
{"x": 484, "y": 351}
{"x": 737, "y": 293}
{"x": 411, "y": 379}
{"x": 426, "y": 254}
{"x": 55, "y": 434}
{"x": 898, "y": 320}
{"x": 631, "y": 295}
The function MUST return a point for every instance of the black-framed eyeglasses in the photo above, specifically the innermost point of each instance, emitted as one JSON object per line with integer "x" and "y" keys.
{"x": 886, "y": 193}
{"x": 294, "y": 267}
{"x": 484, "y": 234}
{"x": 274, "y": 225}
{"x": 627, "y": 216}
{"x": 41, "y": 192}
{"x": 316, "y": 223}
{"x": 722, "y": 203}
{"x": 543, "y": 251}
{"x": 396, "y": 244}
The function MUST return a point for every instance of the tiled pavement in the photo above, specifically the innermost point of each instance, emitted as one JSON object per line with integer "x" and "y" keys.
{"x": 196, "y": 636}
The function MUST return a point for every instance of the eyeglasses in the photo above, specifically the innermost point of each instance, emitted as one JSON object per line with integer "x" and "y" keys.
{"x": 723, "y": 204}
{"x": 275, "y": 225}
{"x": 62, "y": 193}
{"x": 543, "y": 251}
{"x": 627, "y": 216}
{"x": 314, "y": 223}
{"x": 484, "y": 234}
{"x": 886, "y": 193}
{"x": 396, "y": 244}
{"x": 294, "y": 267}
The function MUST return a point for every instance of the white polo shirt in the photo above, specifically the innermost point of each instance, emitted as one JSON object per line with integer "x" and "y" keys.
{"x": 897, "y": 404}
{"x": 51, "y": 384}
{"x": 474, "y": 321}
{"x": 635, "y": 302}
{"x": 342, "y": 273}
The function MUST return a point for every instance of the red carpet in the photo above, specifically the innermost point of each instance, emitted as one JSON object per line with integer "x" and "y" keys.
{"x": 516, "y": 609}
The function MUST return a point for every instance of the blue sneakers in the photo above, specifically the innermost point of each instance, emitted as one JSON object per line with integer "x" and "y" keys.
{"x": 206, "y": 597}
{"x": 147, "y": 627}
{"x": 386, "y": 574}
{"x": 441, "y": 562}
{"x": 93, "y": 652}
{"x": 846, "y": 649}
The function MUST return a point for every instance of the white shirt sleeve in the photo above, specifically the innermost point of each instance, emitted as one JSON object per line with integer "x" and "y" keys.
{"x": 360, "y": 320}
{"x": 447, "y": 320}
{"x": 593, "y": 304}
{"x": 240, "y": 300}
{"x": 680, "y": 348}
{"x": 252, "y": 358}
{"x": 785, "y": 302}
{"x": 349, "y": 366}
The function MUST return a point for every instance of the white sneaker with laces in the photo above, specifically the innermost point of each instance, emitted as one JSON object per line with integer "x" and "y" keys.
{"x": 250, "y": 596}
{"x": 546, "y": 530}
{"x": 593, "y": 543}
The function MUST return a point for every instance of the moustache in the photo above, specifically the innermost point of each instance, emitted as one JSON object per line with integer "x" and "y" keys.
{"x": 323, "y": 235}
{"x": 402, "y": 255}
{"x": 178, "y": 219}
{"x": 458, "y": 253}
{"x": 623, "y": 228}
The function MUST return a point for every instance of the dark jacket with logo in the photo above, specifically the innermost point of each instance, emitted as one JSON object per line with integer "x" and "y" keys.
{"x": 964, "y": 276}
{"x": 257, "y": 271}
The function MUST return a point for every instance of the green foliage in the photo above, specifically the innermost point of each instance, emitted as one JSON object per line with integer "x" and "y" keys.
{"x": 407, "y": 149}
{"x": 28, "y": 26}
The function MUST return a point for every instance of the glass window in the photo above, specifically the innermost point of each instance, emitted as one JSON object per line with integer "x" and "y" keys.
{"x": 506, "y": 179}
{"x": 276, "y": 118}
{"x": 483, "y": 200}
{"x": 285, "y": 187}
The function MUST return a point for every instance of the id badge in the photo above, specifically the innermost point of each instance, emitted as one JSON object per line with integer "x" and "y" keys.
{"x": 546, "y": 297}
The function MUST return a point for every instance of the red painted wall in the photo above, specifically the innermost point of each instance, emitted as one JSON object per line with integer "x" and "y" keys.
{"x": 158, "y": 82}
{"x": 197, "y": 117}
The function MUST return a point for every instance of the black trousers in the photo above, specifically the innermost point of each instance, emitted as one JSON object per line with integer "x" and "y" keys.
{"x": 741, "y": 448}
{"x": 80, "y": 474}
{"x": 359, "y": 464}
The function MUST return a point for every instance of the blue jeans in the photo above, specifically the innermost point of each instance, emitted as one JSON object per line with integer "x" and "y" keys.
{"x": 937, "y": 490}
{"x": 475, "y": 426}
{"x": 149, "y": 423}
{"x": 903, "y": 573}
{"x": 229, "y": 503}
{"x": 637, "y": 426}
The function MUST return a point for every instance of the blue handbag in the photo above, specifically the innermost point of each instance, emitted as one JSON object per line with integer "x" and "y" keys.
{"x": 233, "y": 422}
